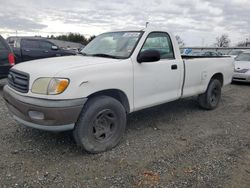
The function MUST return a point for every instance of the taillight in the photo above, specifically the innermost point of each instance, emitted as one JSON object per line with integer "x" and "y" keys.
{"x": 11, "y": 59}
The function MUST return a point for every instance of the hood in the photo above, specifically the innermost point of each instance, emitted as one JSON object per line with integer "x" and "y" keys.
{"x": 51, "y": 66}
{"x": 239, "y": 65}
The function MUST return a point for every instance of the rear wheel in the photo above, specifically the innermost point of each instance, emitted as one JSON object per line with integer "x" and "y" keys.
{"x": 101, "y": 124}
{"x": 211, "y": 98}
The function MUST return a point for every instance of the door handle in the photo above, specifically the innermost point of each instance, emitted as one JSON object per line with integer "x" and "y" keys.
{"x": 174, "y": 67}
{"x": 46, "y": 51}
{"x": 27, "y": 50}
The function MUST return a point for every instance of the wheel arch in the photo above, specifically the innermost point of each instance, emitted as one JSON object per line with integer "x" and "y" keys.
{"x": 116, "y": 94}
{"x": 218, "y": 76}
{"x": 204, "y": 98}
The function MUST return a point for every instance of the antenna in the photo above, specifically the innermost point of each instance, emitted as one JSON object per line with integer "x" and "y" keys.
{"x": 147, "y": 24}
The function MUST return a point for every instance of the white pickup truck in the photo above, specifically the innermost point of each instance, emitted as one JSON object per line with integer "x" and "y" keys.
{"x": 116, "y": 74}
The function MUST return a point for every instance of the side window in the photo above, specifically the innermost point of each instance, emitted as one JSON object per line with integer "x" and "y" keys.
{"x": 161, "y": 42}
{"x": 45, "y": 45}
{"x": 17, "y": 43}
{"x": 10, "y": 41}
{"x": 33, "y": 44}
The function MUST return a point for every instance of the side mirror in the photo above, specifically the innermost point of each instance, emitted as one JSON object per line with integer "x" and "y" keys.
{"x": 54, "y": 47}
{"x": 149, "y": 56}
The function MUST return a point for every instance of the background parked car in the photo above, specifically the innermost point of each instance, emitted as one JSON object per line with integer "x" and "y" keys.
{"x": 80, "y": 49}
{"x": 7, "y": 59}
{"x": 235, "y": 53}
{"x": 31, "y": 48}
{"x": 242, "y": 68}
{"x": 195, "y": 54}
{"x": 210, "y": 53}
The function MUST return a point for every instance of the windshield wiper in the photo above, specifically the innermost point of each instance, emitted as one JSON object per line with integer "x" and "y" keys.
{"x": 106, "y": 55}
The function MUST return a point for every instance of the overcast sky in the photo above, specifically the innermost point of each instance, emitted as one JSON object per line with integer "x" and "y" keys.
{"x": 198, "y": 22}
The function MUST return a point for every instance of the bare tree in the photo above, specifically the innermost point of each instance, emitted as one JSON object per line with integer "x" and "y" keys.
{"x": 243, "y": 43}
{"x": 180, "y": 41}
{"x": 222, "y": 41}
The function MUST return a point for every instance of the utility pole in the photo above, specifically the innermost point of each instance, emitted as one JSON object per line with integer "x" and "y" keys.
{"x": 147, "y": 24}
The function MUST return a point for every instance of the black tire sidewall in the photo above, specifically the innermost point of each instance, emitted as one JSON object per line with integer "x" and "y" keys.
{"x": 212, "y": 85}
{"x": 83, "y": 132}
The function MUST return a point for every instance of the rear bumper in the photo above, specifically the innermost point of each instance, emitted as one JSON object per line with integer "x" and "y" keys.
{"x": 44, "y": 114}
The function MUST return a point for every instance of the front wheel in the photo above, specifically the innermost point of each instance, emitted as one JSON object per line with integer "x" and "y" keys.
{"x": 211, "y": 98}
{"x": 101, "y": 124}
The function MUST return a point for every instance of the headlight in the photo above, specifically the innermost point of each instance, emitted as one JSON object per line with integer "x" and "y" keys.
{"x": 49, "y": 86}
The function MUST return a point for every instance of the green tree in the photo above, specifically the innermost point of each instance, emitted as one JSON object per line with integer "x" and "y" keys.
{"x": 91, "y": 38}
{"x": 72, "y": 37}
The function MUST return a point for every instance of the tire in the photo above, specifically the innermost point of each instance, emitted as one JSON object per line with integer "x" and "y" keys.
{"x": 101, "y": 124}
{"x": 211, "y": 98}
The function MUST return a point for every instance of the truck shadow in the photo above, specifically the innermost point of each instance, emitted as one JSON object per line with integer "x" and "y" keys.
{"x": 163, "y": 113}
{"x": 240, "y": 84}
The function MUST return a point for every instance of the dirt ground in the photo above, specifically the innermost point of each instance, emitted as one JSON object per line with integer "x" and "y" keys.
{"x": 173, "y": 145}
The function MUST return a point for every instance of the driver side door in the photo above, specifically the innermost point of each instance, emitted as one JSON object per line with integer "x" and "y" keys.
{"x": 157, "y": 82}
{"x": 46, "y": 49}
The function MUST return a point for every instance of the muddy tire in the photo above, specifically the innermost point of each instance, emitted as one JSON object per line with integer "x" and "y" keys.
{"x": 211, "y": 98}
{"x": 101, "y": 124}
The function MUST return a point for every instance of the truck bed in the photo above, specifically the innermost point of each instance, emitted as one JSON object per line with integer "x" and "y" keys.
{"x": 200, "y": 69}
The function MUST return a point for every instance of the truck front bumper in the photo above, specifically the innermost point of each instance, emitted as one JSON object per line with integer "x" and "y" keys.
{"x": 44, "y": 114}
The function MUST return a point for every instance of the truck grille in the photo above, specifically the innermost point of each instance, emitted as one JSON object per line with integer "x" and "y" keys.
{"x": 19, "y": 81}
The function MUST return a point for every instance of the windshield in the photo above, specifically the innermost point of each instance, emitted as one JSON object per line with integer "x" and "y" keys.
{"x": 235, "y": 52}
{"x": 113, "y": 45}
{"x": 243, "y": 57}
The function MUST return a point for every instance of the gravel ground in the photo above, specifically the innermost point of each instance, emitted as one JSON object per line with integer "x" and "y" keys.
{"x": 173, "y": 145}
